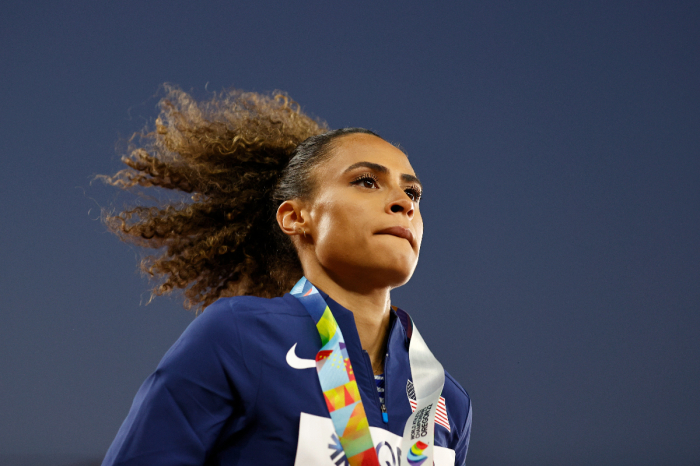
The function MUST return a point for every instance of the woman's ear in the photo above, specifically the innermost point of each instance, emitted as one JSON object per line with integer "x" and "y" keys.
{"x": 290, "y": 218}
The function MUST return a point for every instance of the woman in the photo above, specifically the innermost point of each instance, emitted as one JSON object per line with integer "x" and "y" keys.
{"x": 279, "y": 203}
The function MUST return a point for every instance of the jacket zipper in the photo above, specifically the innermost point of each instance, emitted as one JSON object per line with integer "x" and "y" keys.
{"x": 382, "y": 406}
{"x": 385, "y": 415}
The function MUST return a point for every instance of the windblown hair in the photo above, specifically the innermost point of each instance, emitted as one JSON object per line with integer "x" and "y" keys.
{"x": 231, "y": 155}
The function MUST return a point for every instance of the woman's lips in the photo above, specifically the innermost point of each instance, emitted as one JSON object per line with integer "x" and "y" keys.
{"x": 401, "y": 232}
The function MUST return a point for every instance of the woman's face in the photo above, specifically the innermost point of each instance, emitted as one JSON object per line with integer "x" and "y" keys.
{"x": 364, "y": 220}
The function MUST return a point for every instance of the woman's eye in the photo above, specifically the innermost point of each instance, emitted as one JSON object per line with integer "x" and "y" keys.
{"x": 414, "y": 194}
{"x": 366, "y": 181}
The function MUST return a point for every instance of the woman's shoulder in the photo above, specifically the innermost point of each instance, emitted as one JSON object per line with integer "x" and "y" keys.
{"x": 458, "y": 403}
{"x": 241, "y": 314}
{"x": 456, "y": 391}
{"x": 253, "y": 306}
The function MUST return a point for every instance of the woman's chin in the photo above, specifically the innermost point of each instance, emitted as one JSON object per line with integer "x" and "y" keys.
{"x": 392, "y": 275}
{"x": 379, "y": 270}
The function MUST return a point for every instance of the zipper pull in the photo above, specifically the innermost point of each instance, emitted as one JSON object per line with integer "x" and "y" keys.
{"x": 385, "y": 416}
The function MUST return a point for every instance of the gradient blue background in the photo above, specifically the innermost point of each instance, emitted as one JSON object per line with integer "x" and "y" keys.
{"x": 559, "y": 145}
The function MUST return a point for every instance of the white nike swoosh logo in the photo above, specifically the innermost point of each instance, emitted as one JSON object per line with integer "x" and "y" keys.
{"x": 296, "y": 362}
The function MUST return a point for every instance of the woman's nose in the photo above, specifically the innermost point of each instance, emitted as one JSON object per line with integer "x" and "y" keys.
{"x": 402, "y": 204}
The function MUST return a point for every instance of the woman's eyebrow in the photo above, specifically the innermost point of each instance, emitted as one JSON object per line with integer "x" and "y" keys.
{"x": 372, "y": 166}
{"x": 382, "y": 169}
{"x": 411, "y": 179}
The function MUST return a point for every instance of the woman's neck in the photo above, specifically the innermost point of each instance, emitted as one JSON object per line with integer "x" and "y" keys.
{"x": 371, "y": 309}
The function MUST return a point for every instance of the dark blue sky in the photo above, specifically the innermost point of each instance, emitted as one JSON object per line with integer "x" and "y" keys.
{"x": 559, "y": 145}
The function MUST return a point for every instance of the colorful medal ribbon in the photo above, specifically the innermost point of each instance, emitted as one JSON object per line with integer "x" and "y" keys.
{"x": 343, "y": 396}
{"x": 338, "y": 380}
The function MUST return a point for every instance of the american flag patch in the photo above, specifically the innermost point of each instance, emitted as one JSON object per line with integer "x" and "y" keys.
{"x": 440, "y": 414}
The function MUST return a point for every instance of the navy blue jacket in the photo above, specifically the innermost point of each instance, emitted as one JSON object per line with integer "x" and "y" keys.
{"x": 224, "y": 393}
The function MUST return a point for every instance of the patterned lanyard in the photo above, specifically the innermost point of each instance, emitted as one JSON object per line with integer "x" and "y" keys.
{"x": 343, "y": 396}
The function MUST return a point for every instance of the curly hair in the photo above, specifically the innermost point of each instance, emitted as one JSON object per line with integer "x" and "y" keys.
{"x": 237, "y": 156}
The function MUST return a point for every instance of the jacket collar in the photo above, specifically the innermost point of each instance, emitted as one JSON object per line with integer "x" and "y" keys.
{"x": 397, "y": 332}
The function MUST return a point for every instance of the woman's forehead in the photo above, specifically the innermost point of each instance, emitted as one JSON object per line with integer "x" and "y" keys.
{"x": 355, "y": 148}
